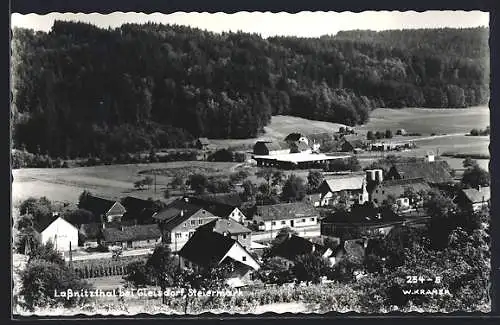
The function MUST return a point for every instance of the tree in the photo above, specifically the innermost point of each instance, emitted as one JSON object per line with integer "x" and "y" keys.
{"x": 27, "y": 240}
{"x": 314, "y": 180}
{"x": 293, "y": 189}
{"x": 164, "y": 267}
{"x": 177, "y": 181}
{"x": 166, "y": 194}
{"x": 388, "y": 134}
{"x": 24, "y": 221}
{"x": 41, "y": 209}
{"x": 267, "y": 174}
{"x": 139, "y": 184}
{"x": 276, "y": 270}
{"x": 277, "y": 178}
{"x": 370, "y": 136}
{"x": 249, "y": 191}
{"x": 138, "y": 274}
{"x": 47, "y": 253}
{"x": 79, "y": 217}
{"x": 42, "y": 278}
{"x": 469, "y": 162}
{"x": 198, "y": 183}
{"x": 353, "y": 164}
{"x": 310, "y": 267}
{"x": 441, "y": 209}
{"x": 83, "y": 199}
{"x": 475, "y": 176}
{"x": 148, "y": 181}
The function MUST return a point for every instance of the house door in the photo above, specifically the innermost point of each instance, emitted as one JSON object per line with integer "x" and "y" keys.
{"x": 292, "y": 223}
{"x": 129, "y": 244}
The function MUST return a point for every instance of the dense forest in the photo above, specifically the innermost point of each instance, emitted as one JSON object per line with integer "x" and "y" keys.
{"x": 80, "y": 90}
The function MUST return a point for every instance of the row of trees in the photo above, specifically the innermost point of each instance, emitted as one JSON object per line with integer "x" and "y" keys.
{"x": 80, "y": 90}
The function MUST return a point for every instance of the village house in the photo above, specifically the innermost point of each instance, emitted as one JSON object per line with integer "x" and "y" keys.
{"x": 474, "y": 199}
{"x": 104, "y": 210}
{"x": 230, "y": 228}
{"x": 62, "y": 234}
{"x": 90, "y": 234}
{"x": 433, "y": 172}
{"x": 223, "y": 205}
{"x": 138, "y": 236}
{"x": 314, "y": 199}
{"x": 350, "y": 188}
{"x": 298, "y": 143}
{"x": 202, "y": 143}
{"x": 179, "y": 220}
{"x": 352, "y": 144}
{"x": 396, "y": 188}
{"x": 206, "y": 249}
{"x": 292, "y": 215}
{"x": 369, "y": 221}
{"x": 293, "y": 246}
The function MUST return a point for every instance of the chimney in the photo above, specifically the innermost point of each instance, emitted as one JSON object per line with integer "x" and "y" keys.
{"x": 289, "y": 235}
{"x": 103, "y": 225}
{"x": 365, "y": 243}
{"x": 182, "y": 213}
{"x": 479, "y": 188}
{"x": 313, "y": 248}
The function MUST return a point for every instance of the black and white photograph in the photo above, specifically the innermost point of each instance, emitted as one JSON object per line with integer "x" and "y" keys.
{"x": 250, "y": 162}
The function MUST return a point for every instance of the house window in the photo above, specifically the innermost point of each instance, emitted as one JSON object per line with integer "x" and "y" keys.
{"x": 303, "y": 220}
{"x": 273, "y": 223}
{"x": 244, "y": 236}
{"x": 283, "y": 222}
{"x": 312, "y": 219}
{"x": 193, "y": 222}
{"x": 200, "y": 221}
{"x": 185, "y": 224}
{"x": 244, "y": 259}
{"x": 191, "y": 234}
{"x": 383, "y": 192}
{"x": 376, "y": 191}
{"x": 178, "y": 235}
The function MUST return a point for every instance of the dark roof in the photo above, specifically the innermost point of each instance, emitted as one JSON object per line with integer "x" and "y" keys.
{"x": 294, "y": 246}
{"x": 91, "y": 230}
{"x": 99, "y": 206}
{"x": 363, "y": 214}
{"x": 133, "y": 233}
{"x": 206, "y": 248}
{"x": 229, "y": 199}
{"x": 204, "y": 141}
{"x": 272, "y": 146}
{"x": 43, "y": 224}
{"x": 136, "y": 205}
{"x": 286, "y": 211}
{"x": 476, "y": 196}
{"x": 222, "y": 226}
{"x": 178, "y": 211}
{"x": 395, "y": 186}
{"x": 293, "y": 137}
{"x": 432, "y": 172}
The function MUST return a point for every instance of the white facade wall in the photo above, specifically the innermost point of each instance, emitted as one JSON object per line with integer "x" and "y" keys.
{"x": 238, "y": 253}
{"x": 61, "y": 233}
{"x": 237, "y": 215}
{"x": 290, "y": 223}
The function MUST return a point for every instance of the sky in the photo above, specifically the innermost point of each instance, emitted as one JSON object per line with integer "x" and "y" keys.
{"x": 302, "y": 24}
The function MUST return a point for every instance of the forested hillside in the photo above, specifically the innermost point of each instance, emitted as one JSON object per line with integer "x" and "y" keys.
{"x": 80, "y": 90}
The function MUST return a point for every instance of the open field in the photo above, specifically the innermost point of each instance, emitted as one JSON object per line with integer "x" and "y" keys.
{"x": 427, "y": 121}
{"x": 114, "y": 181}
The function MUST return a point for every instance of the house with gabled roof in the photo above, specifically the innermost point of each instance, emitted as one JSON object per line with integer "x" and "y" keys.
{"x": 223, "y": 205}
{"x": 292, "y": 215}
{"x": 138, "y": 236}
{"x": 265, "y": 148}
{"x": 139, "y": 210}
{"x": 231, "y": 228}
{"x": 293, "y": 246}
{"x": 60, "y": 232}
{"x": 396, "y": 188}
{"x": 179, "y": 220}
{"x": 207, "y": 249}
{"x": 474, "y": 199}
{"x": 104, "y": 210}
{"x": 202, "y": 143}
{"x": 353, "y": 188}
{"x": 433, "y": 172}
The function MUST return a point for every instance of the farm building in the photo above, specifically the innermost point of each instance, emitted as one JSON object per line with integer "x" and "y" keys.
{"x": 229, "y": 228}
{"x": 302, "y": 160}
{"x": 433, "y": 172}
{"x": 314, "y": 199}
{"x": 352, "y": 144}
{"x": 297, "y": 143}
{"x": 206, "y": 249}
{"x": 179, "y": 220}
{"x": 202, "y": 143}
{"x": 350, "y": 188}
{"x": 474, "y": 199}
{"x": 58, "y": 231}
{"x": 139, "y": 236}
{"x": 396, "y": 188}
{"x": 104, "y": 210}
{"x": 293, "y": 246}
{"x": 293, "y": 215}
{"x": 224, "y": 205}
{"x": 270, "y": 148}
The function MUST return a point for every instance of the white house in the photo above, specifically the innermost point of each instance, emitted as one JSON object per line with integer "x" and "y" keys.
{"x": 60, "y": 232}
{"x": 353, "y": 186}
{"x": 292, "y": 215}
